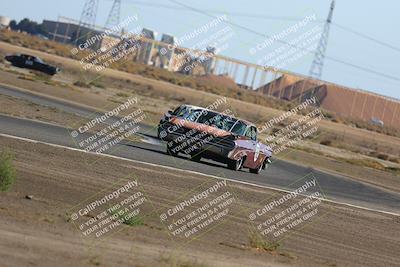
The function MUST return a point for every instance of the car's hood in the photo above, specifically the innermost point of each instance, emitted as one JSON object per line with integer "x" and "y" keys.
{"x": 200, "y": 127}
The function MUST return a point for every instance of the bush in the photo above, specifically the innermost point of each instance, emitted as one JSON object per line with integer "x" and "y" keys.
{"x": 326, "y": 142}
{"x": 82, "y": 84}
{"x": 258, "y": 242}
{"x": 7, "y": 171}
{"x": 97, "y": 84}
{"x": 134, "y": 221}
{"x": 131, "y": 221}
{"x": 378, "y": 155}
{"x": 383, "y": 156}
{"x": 120, "y": 94}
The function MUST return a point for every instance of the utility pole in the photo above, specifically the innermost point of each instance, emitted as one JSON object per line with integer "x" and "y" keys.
{"x": 88, "y": 17}
{"x": 114, "y": 15}
{"x": 318, "y": 62}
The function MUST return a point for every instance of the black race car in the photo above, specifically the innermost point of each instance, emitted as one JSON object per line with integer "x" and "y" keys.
{"x": 31, "y": 62}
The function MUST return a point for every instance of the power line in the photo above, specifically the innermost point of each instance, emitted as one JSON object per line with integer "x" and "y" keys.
{"x": 269, "y": 17}
{"x": 289, "y": 44}
{"x": 365, "y": 69}
{"x": 214, "y": 11}
{"x": 366, "y": 37}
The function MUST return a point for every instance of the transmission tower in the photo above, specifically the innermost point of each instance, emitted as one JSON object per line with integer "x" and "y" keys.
{"x": 114, "y": 15}
{"x": 318, "y": 62}
{"x": 88, "y": 17}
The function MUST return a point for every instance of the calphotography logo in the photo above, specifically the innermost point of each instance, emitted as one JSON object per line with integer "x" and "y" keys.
{"x": 203, "y": 210}
{"x": 106, "y": 131}
{"x": 285, "y": 213}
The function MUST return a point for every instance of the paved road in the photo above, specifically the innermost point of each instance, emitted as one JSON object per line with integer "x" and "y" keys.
{"x": 280, "y": 174}
{"x": 65, "y": 106}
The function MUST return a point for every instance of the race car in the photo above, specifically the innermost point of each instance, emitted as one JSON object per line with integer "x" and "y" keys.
{"x": 31, "y": 62}
{"x": 205, "y": 133}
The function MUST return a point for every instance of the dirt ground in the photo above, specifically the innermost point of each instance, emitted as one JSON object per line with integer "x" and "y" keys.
{"x": 24, "y": 109}
{"x": 56, "y": 183}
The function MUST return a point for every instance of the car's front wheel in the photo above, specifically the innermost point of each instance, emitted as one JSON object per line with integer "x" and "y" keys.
{"x": 195, "y": 157}
{"x": 235, "y": 164}
{"x": 171, "y": 151}
{"x": 256, "y": 170}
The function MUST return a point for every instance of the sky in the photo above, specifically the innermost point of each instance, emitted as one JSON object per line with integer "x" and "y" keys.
{"x": 251, "y": 22}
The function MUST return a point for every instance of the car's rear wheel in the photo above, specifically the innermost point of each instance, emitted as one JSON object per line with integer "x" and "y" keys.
{"x": 266, "y": 163}
{"x": 235, "y": 164}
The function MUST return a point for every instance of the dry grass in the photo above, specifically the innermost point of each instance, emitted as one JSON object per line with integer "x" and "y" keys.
{"x": 258, "y": 242}
{"x": 7, "y": 170}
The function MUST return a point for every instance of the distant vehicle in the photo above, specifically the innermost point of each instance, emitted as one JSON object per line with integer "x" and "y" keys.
{"x": 31, "y": 62}
{"x": 376, "y": 121}
{"x": 201, "y": 132}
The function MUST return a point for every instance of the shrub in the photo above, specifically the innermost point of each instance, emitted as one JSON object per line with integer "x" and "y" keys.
{"x": 326, "y": 142}
{"x": 7, "y": 171}
{"x": 97, "y": 84}
{"x": 134, "y": 221}
{"x": 131, "y": 221}
{"x": 383, "y": 156}
{"x": 366, "y": 163}
{"x": 82, "y": 84}
{"x": 258, "y": 242}
{"x": 120, "y": 94}
{"x": 378, "y": 155}
{"x": 393, "y": 169}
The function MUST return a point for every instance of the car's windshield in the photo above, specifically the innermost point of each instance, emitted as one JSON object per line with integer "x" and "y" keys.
{"x": 38, "y": 60}
{"x": 239, "y": 128}
{"x": 190, "y": 114}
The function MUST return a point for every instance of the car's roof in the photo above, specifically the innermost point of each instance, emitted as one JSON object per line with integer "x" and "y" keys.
{"x": 211, "y": 110}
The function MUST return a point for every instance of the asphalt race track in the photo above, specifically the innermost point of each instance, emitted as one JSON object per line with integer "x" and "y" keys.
{"x": 280, "y": 174}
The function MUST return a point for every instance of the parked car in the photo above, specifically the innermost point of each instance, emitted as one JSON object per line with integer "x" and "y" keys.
{"x": 31, "y": 62}
{"x": 201, "y": 132}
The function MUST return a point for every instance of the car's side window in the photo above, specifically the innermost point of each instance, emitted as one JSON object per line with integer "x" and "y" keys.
{"x": 253, "y": 133}
{"x": 29, "y": 61}
{"x": 248, "y": 132}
